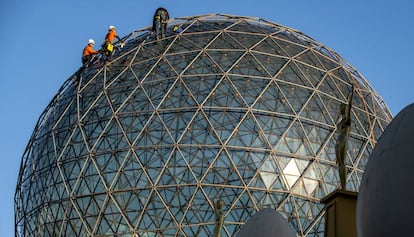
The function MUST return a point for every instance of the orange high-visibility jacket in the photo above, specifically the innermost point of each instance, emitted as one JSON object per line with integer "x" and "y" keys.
{"x": 88, "y": 50}
{"x": 111, "y": 36}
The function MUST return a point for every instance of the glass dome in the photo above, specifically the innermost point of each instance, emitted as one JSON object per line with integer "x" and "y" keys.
{"x": 233, "y": 108}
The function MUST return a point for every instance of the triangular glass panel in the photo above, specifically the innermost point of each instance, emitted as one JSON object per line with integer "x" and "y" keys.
{"x": 181, "y": 61}
{"x": 176, "y": 172}
{"x": 224, "y": 121}
{"x": 199, "y": 158}
{"x": 247, "y": 41}
{"x": 291, "y": 73}
{"x": 311, "y": 179}
{"x": 153, "y": 159}
{"x": 75, "y": 148}
{"x": 342, "y": 74}
{"x": 355, "y": 148}
{"x": 308, "y": 211}
{"x": 122, "y": 58}
{"x": 248, "y": 135}
{"x": 142, "y": 70}
{"x": 296, "y": 96}
{"x": 200, "y": 132}
{"x": 89, "y": 208}
{"x": 273, "y": 100}
{"x": 201, "y": 25}
{"x": 328, "y": 150}
{"x": 121, "y": 88}
{"x": 249, "y": 88}
{"x": 287, "y": 46}
{"x": 225, "y": 59}
{"x": 329, "y": 86}
{"x": 268, "y": 44}
{"x": 109, "y": 164}
{"x": 295, "y": 141}
{"x": 111, "y": 221}
{"x": 96, "y": 120}
{"x": 257, "y": 182}
{"x": 156, "y": 215}
{"x": 225, "y": 41}
{"x": 241, "y": 210}
{"x": 328, "y": 63}
{"x": 162, "y": 71}
{"x": 201, "y": 40}
{"x": 225, "y": 95}
{"x": 87, "y": 185}
{"x": 149, "y": 50}
{"x": 360, "y": 122}
{"x": 330, "y": 177}
{"x": 71, "y": 170}
{"x": 138, "y": 208}
{"x": 112, "y": 138}
{"x": 223, "y": 172}
{"x": 316, "y": 134}
{"x": 271, "y": 63}
{"x": 245, "y": 26}
{"x": 273, "y": 127}
{"x": 136, "y": 102}
{"x": 203, "y": 65}
{"x": 178, "y": 199}
{"x": 131, "y": 175}
{"x": 132, "y": 125}
{"x": 130, "y": 204}
{"x": 313, "y": 75}
{"x": 377, "y": 129}
{"x": 178, "y": 97}
{"x": 157, "y": 90}
{"x": 183, "y": 44}
{"x": 318, "y": 227}
{"x": 200, "y": 210}
{"x": 309, "y": 58}
{"x": 247, "y": 162}
{"x": 90, "y": 87}
{"x": 200, "y": 86}
{"x": 315, "y": 110}
{"x": 176, "y": 121}
{"x": 352, "y": 182}
{"x": 248, "y": 65}
{"x": 290, "y": 211}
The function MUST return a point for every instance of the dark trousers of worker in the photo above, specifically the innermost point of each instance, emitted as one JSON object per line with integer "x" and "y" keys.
{"x": 160, "y": 28}
{"x": 86, "y": 59}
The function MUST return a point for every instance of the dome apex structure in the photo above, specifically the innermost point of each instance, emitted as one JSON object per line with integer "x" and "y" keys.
{"x": 227, "y": 107}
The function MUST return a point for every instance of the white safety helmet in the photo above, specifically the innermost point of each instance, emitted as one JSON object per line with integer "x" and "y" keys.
{"x": 91, "y": 41}
{"x": 111, "y": 27}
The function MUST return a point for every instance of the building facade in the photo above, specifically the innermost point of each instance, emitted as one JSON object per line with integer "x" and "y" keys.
{"x": 228, "y": 107}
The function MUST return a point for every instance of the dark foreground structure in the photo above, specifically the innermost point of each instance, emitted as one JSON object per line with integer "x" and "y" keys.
{"x": 232, "y": 108}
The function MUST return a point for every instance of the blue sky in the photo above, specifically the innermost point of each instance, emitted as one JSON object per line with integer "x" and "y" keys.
{"x": 43, "y": 40}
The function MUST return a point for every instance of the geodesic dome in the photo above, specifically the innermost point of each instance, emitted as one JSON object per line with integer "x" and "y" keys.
{"x": 232, "y": 108}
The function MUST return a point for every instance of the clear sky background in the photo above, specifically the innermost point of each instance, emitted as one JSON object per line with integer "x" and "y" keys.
{"x": 42, "y": 42}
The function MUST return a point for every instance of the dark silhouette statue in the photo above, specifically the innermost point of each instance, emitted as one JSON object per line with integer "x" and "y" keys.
{"x": 344, "y": 127}
{"x": 219, "y": 218}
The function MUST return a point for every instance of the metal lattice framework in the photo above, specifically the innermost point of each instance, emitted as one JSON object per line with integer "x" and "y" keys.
{"x": 232, "y": 108}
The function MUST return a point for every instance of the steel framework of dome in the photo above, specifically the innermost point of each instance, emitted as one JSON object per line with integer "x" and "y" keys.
{"x": 232, "y": 108}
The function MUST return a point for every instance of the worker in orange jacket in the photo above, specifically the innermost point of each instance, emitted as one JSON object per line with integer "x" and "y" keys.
{"x": 109, "y": 39}
{"x": 88, "y": 52}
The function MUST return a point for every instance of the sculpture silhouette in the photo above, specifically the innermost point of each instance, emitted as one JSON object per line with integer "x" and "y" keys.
{"x": 219, "y": 218}
{"x": 344, "y": 127}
